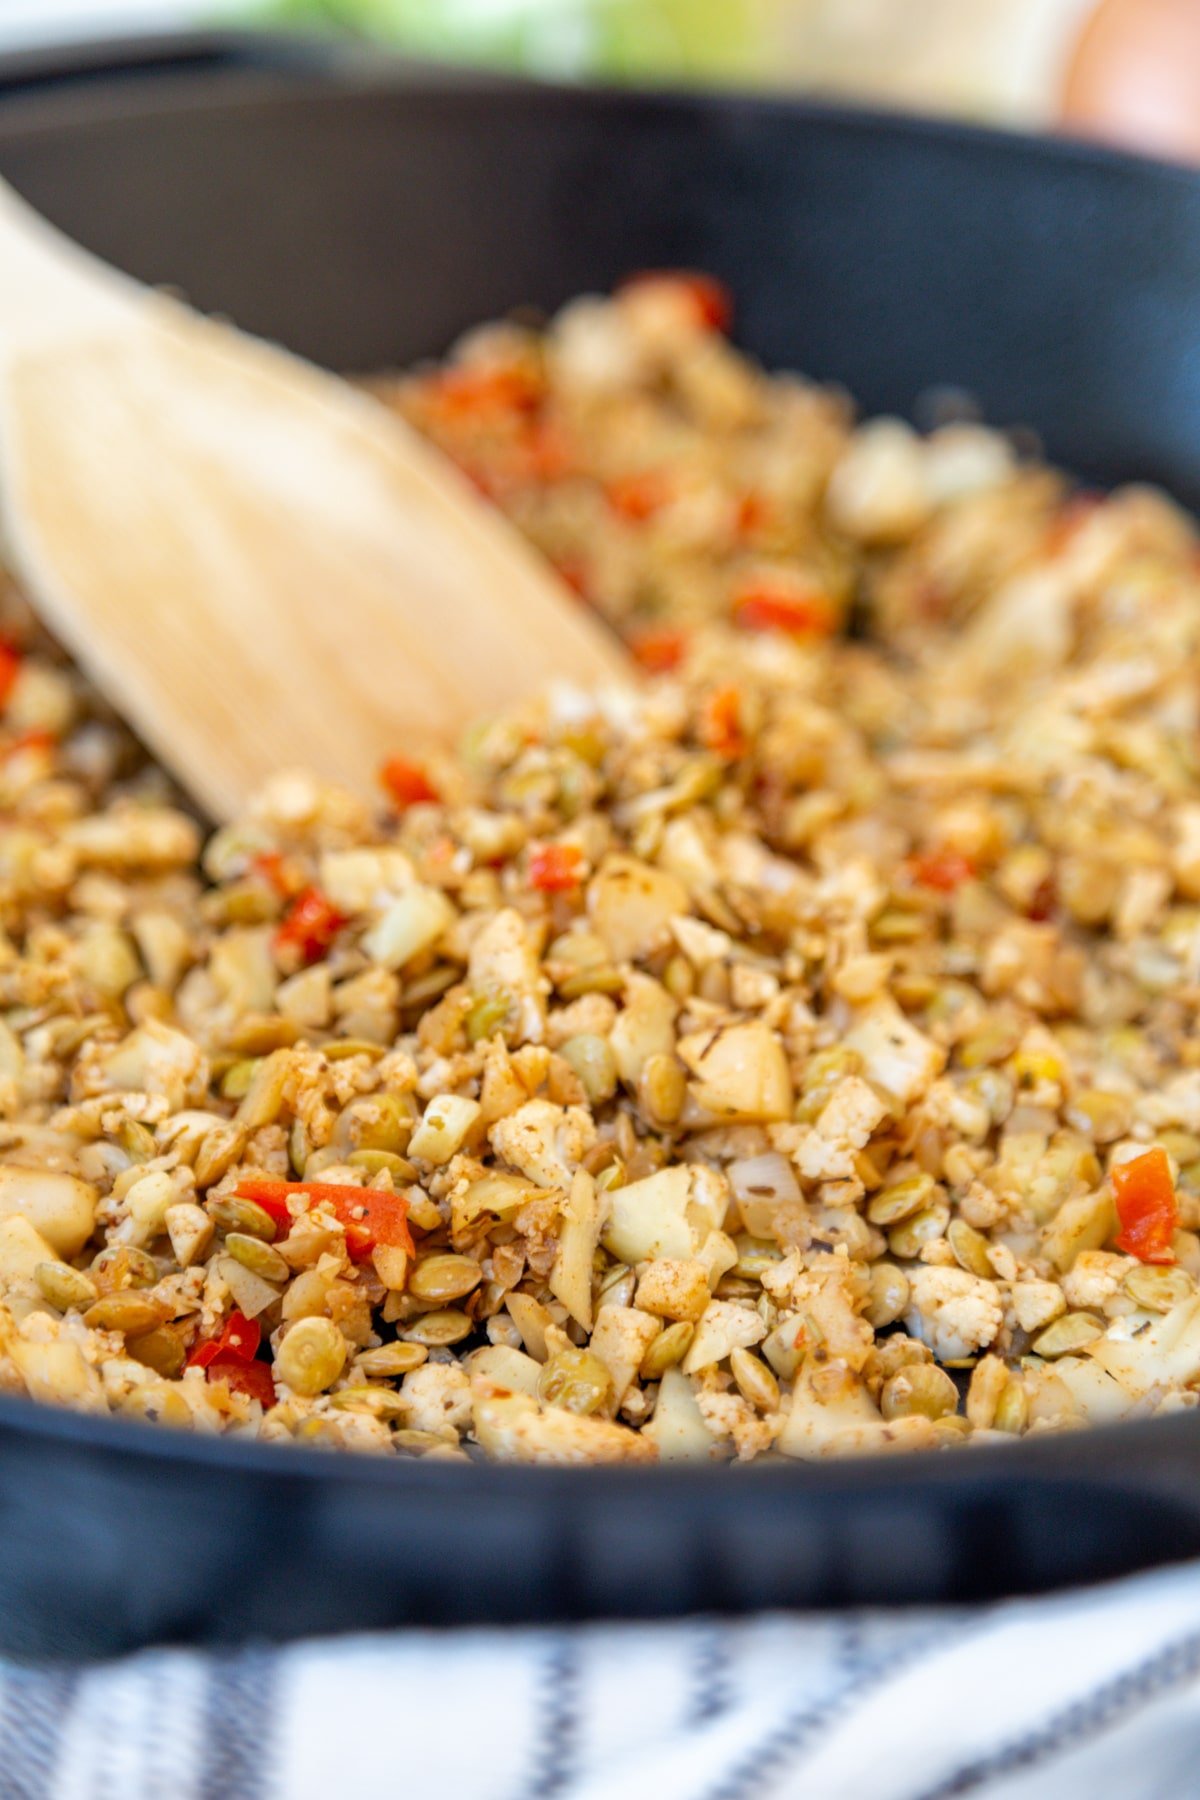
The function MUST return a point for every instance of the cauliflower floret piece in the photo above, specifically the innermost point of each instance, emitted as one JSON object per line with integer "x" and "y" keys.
{"x": 437, "y": 1394}
{"x": 831, "y": 1293}
{"x": 955, "y": 1313}
{"x": 503, "y": 960}
{"x": 1095, "y": 1277}
{"x": 591, "y": 1015}
{"x": 592, "y": 347}
{"x": 154, "y": 1059}
{"x": 827, "y": 1151}
{"x": 544, "y": 1141}
{"x": 359, "y": 881}
{"x": 878, "y": 492}
{"x": 1035, "y": 1303}
{"x": 728, "y": 1416}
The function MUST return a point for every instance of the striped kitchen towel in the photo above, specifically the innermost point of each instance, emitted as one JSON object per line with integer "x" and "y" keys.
{"x": 1092, "y": 1694}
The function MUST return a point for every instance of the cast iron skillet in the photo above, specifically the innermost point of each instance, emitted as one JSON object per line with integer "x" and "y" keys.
{"x": 364, "y": 213}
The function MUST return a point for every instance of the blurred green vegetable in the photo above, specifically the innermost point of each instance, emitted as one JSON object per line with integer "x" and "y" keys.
{"x": 709, "y": 39}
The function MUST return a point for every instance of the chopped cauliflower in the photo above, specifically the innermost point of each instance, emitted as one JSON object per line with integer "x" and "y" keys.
{"x": 436, "y": 1394}
{"x": 544, "y": 1141}
{"x": 955, "y": 1313}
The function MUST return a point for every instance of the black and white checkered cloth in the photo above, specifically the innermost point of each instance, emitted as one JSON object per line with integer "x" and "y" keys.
{"x": 1094, "y": 1694}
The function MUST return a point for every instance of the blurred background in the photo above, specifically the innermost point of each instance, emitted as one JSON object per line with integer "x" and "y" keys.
{"x": 1128, "y": 70}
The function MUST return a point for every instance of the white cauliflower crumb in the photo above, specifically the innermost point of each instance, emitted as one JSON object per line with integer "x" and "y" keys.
{"x": 1035, "y": 1303}
{"x": 1094, "y": 1278}
{"x": 827, "y": 1151}
{"x": 437, "y": 1394}
{"x": 544, "y": 1141}
{"x": 955, "y": 1313}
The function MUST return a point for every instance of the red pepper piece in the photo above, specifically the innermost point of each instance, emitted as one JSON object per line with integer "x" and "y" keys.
{"x": 1146, "y": 1207}
{"x": 239, "y": 1339}
{"x": 720, "y": 723}
{"x": 943, "y": 870}
{"x": 638, "y": 497}
{"x": 269, "y": 864}
{"x": 370, "y": 1216}
{"x": 10, "y": 668}
{"x": 555, "y": 868}
{"x": 753, "y": 515}
{"x": 481, "y": 393}
{"x": 406, "y": 783}
{"x": 310, "y": 926}
{"x": 710, "y": 301}
{"x": 252, "y": 1378}
{"x": 545, "y": 454}
{"x": 800, "y": 612}
{"x": 658, "y": 649}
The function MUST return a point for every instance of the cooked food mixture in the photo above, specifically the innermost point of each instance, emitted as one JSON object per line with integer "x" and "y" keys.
{"x": 793, "y": 1057}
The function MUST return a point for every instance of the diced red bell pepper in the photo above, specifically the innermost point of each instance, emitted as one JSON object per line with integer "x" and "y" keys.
{"x": 799, "y": 611}
{"x": 943, "y": 870}
{"x": 639, "y": 497}
{"x": 10, "y": 668}
{"x": 271, "y": 867}
{"x": 36, "y": 738}
{"x": 466, "y": 393}
{"x": 545, "y": 453}
{"x": 252, "y": 1378}
{"x": 753, "y": 514}
{"x": 710, "y": 300}
{"x": 720, "y": 722}
{"x": 369, "y": 1216}
{"x": 406, "y": 783}
{"x": 1146, "y": 1207}
{"x": 658, "y": 649}
{"x": 555, "y": 868}
{"x": 239, "y": 1340}
{"x": 310, "y": 926}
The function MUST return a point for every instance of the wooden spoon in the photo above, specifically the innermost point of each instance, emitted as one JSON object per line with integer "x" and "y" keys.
{"x": 258, "y": 565}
